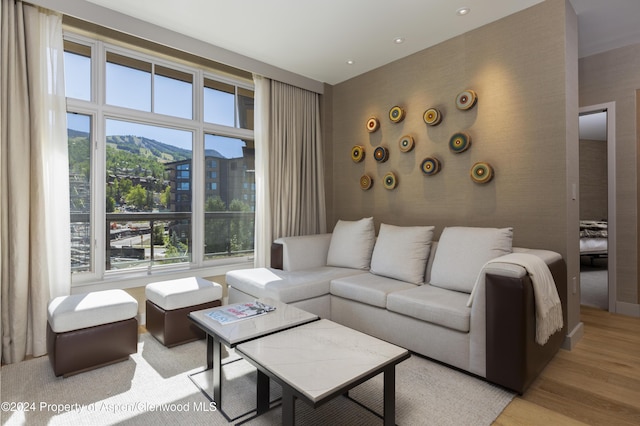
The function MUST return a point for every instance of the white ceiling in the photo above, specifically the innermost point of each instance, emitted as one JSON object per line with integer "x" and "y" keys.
{"x": 316, "y": 39}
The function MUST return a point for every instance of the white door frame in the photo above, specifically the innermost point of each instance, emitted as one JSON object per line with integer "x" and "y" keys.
{"x": 610, "y": 109}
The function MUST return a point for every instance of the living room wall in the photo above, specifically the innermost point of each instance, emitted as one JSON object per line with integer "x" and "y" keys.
{"x": 524, "y": 70}
{"x": 613, "y": 77}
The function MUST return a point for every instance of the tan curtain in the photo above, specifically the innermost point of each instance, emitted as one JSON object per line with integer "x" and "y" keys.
{"x": 34, "y": 191}
{"x": 296, "y": 174}
{"x": 263, "y": 232}
{"x": 292, "y": 161}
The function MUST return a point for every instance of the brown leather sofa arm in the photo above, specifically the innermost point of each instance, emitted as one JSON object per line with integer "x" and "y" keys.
{"x": 514, "y": 359}
{"x": 277, "y": 256}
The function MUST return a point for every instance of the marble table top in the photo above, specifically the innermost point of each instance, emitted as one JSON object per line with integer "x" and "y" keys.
{"x": 284, "y": 316}
{"x": 321, "y": 357}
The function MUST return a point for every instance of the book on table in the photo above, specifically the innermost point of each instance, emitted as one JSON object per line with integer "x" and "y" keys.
{"x": 239, "y": 311}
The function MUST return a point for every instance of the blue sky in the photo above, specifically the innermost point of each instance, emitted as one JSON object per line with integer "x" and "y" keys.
{"x": 132, "y": 88}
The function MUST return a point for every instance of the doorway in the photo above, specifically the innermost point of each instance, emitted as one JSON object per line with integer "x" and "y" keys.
{"x": 597, "y": 206}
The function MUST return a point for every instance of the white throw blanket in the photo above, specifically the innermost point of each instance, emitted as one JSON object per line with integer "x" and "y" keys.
{"x": 547, "y": 301}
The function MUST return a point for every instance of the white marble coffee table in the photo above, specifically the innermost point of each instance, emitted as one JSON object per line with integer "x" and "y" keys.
{"x": 318, "y": 361}
{"x": 284, "y": 317}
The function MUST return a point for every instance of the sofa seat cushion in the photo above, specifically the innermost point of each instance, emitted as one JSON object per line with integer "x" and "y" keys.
{"x": 286, "y": 286}
{"x": 367, "y": 288}
{"x": 436, "y": 305}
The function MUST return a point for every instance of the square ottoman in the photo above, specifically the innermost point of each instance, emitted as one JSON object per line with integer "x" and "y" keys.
{"x": 90, "y": 330}
{"x": 169, "y": 303}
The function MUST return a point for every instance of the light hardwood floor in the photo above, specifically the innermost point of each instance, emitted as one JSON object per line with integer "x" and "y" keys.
{"x": 597, "y": 383}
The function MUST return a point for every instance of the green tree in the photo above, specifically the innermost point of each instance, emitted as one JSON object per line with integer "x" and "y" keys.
{"x": 216, "y": 232}
{"x": 110, "y": 205}
{"x": 124, "y": 186}
{"x": 215, "y": 204}
{"x": 137, "y": 197}
{"x": 158, "y": 235}
{"x": 240, "y": 227}
{"x": 165, "y": 197}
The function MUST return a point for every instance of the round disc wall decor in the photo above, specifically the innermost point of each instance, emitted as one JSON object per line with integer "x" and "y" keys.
{"x": 466, "y": 99}
{"x": 365, "y": 182}
{"x": 432, "y": 117}
{"x": 357, "y": 153}
{"x": 459, "y": 142}
{"x": 373, "y": 124}
{"x": 406, "y": 143}
{"x": 381, "y": 154}
{"x": 430, "y": 166}
{"x": 389, "y": 180}
{"x": 396, "y": 114}
{"x": 481, "y": 172}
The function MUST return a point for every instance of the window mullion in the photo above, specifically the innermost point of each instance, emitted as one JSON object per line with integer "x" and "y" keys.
{"x": 197, "y": 202}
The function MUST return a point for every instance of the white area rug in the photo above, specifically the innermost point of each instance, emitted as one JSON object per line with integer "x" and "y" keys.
{"x": 153, "y": 387}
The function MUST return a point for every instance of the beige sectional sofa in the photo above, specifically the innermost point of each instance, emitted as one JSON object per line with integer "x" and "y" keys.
{"x": 405, "y": 288}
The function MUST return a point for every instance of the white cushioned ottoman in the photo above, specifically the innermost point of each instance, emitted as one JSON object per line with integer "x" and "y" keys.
{"x": 168, "y": 305}
{"x": 90, "y": 330}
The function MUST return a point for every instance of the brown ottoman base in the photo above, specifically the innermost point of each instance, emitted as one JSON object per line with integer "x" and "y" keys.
{"x": 76, "y": 351}
{"x": 174, "y": 327}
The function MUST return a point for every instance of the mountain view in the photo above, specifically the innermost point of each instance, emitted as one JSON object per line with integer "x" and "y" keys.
{"x": 140, "y": 145}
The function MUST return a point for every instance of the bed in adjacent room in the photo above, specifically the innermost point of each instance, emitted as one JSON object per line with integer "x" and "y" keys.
{"x": 593, "y": 238}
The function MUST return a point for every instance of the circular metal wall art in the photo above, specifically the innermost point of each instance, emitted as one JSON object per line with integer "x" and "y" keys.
{"x": 406, "y": 143}
{"x": 481, "y": 172}
{"x": 432, "y": 117}
{"x": 466, "y": 99}
{"x": 430, "y": 166}
{"x": 390, "y": 181}
{"x": 396, "y": 114}
{"x": 381, "y": 154}
{"x": 365, "y": 182}
{"x": 357, "y": 153}
{"x": 373, "y": 124}
{"x": 459, "y": 142}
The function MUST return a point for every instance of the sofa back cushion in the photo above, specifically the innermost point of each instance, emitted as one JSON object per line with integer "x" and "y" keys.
{"x": 463, "y": 251}
{"x": 352, "y": 243}
{"x": 401, "y": 252}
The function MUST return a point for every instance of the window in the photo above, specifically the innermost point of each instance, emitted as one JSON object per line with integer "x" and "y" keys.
{"x": 77, "y": 73}
{"x": 228, "y": 105}
{"x": 79, "y": 143}
{"x": 136, "y": 190}
{"x": 229, "y": 216}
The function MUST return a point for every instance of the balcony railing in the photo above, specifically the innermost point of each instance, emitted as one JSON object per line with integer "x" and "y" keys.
{"x": 132, "y": 242}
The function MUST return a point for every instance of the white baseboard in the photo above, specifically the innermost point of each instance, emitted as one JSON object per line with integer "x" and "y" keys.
{"x": 630, "y": 309}
{"x": 573, "y": 337}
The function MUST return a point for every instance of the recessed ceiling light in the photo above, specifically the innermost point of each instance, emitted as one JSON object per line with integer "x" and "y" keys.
{"x": 350, "y": 62}
{"x": 463, "y": 11}
{"x": 398, "y": 40}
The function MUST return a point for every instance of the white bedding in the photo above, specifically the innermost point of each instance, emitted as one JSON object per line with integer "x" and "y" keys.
{"x": 593, "y": 237}
{"x": 593, "y": 245}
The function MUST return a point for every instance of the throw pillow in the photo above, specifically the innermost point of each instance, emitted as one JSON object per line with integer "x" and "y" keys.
{"x": 463, "y": 251}
{"x": 352, "y": 243}
{"x": 401, "y": 252}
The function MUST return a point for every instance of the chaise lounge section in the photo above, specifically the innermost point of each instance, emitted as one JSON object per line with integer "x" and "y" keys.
{"x": 467, "y": 300}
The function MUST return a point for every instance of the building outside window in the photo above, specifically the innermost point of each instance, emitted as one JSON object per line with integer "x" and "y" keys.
{"x": 161, "y": 161}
